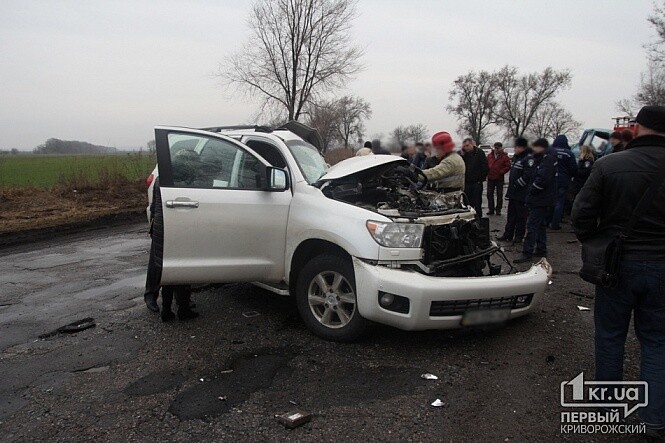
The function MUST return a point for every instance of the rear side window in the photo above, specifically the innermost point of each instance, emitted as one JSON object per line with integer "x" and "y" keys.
{"x": 210, "y": 163}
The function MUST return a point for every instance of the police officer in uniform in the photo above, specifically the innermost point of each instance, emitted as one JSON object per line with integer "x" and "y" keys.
{"x": 445, "y": 168}
{"x": 566, "y": 170}
{"x": 518, "y": 185}
{"x": 540, "y": 200}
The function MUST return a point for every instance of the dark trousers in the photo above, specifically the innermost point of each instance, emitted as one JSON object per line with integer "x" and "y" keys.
{"x": 474, "y": 192}
{"x": 494, "y": 188}
{"x": 516, "y": 222}
{"x": 641, "y": 293}
{"x": 536, "y": 230}
{"x": 182, "y": 293}
{"x": 154, "y": 274}
{"x": 557, "y": 214}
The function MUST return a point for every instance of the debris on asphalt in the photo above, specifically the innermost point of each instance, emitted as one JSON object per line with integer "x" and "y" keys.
{"x": 550, "y": 359}
{"x": 484, "y": 363}
{"x": 438, "y": 403}
{"x": 429, "y": 376}
{"x": 250, "y": 314}
{"x": 202, "y": 380}
{"x": 293, "y": 402}
{"x": 227, "y": 371}
{"x": 581, "y": 294}
{"x": 583, "y": 308}
{"x": 294, "y": 419}
{"x": 223, "y": 398}
{"x": 71, "y": 328}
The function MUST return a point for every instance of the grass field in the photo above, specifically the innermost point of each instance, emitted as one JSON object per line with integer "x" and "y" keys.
{"x": 47, "y": 171}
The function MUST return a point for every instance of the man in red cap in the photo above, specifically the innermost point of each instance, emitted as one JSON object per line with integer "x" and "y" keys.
{"x": 445, "y": 168}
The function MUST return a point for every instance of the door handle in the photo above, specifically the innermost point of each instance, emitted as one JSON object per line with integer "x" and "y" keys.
{"x": 181, "y": 204}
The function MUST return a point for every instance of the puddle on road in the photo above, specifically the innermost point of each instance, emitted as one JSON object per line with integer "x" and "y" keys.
{"x": 250, "y": 374}
{"x": 155, "y": 383}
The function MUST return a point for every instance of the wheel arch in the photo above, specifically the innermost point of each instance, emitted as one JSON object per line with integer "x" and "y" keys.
{"x": 307, "y": 250}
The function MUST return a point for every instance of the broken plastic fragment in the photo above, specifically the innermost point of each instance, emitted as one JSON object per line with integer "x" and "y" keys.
{"x": 583, "y": 308}
{"x": 222, "y": 398}
{"x": 437, "y": 403}
{"x": 429, "y": 376}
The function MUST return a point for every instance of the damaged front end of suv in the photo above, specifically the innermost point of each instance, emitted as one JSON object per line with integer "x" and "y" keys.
{"x": 454, "y": 242}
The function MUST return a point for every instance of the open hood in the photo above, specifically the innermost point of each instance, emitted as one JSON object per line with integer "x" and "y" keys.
{"x": 357, "y": 164}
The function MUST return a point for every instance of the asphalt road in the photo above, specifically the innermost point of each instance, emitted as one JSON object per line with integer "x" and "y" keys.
{"x": 225, "y": 375}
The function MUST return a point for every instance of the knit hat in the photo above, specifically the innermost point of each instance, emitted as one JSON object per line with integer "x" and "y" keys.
{"x": 652, "y": 117}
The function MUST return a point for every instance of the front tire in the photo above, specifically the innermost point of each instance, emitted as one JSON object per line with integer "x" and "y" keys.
{"x": 326, "y": 299}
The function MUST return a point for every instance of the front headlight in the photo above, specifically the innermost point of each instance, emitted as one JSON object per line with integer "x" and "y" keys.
{"x": 396, "y": 235}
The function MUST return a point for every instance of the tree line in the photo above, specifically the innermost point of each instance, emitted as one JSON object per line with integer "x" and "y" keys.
{"x": 57, "y": 146}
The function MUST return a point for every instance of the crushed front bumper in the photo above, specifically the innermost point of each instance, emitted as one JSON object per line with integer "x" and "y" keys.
{"x": 439, "y": 302}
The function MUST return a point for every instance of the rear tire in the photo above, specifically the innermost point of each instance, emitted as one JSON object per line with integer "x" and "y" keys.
{"x": 326, "y": 299}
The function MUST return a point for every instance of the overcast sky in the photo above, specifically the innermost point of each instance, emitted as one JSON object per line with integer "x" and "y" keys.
{"x": 108, "y": 71}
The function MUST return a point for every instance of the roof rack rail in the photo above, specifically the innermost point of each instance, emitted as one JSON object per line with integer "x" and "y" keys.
{"x": 257, "y": 128}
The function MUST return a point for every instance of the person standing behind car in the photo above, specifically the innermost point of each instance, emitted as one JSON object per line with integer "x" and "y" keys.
{"x": 156, "y": 232}
{"x": 604, "y": 207}
{"x": 566, "y": 170}
{"x": 518, "y": 185}
{"x": 540, "y": 199}
{"x": 420, "y": 156}
{"x": 617, "y": 142}
{"x": 476, "y": 173}
{"x": 445, "y": 168}
{"x": 377, "y": 149}
{"x": 499, "y": 164}
{"x": 584, "y": 165}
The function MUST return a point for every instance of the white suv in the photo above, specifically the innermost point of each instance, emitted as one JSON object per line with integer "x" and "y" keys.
{"x": 354, "y": 243}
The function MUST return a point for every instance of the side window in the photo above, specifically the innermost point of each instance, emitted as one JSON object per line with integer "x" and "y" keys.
{"x": 269, "y": 152}
{"x": 209, "y": 163}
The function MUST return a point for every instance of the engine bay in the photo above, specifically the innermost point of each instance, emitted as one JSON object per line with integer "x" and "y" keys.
{"x": 460, "y": 246}
{"x": 390, "y": 191}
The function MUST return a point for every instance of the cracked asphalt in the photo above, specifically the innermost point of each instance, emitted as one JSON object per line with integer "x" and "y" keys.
{"x": 225, "y": 376}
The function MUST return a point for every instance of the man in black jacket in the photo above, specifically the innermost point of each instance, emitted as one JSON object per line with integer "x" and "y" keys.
{"x": 476, "y": 173}
{"x": 604, "y": 206}
{"x": 518, "y": 185}
{"x": 540, "y": 200}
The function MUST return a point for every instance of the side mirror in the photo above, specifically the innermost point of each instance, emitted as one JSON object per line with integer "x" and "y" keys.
{"x": 278, "y": 180}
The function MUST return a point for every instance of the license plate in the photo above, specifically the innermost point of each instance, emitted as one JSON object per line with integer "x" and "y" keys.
{"x": 485, "y": 316}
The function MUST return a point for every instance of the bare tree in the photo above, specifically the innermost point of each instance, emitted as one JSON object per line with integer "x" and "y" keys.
{"x": 400, "y": 135}
{"x": 521, "y": 96}
{"x": 651, "y": 90}
{"x": 552, "y": 120}
{"x": 417, "y": 132}
{"x": 325, "y": 117}
{"x": 352, "y": 111}
{"x": 652, "y": 85}
{"x": 298, "y": 50}
{"x": 655, "y": 49}
{"x": 474, "y": 101}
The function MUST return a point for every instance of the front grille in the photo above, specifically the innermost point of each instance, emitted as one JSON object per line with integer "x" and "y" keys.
{"x": 451, "y": 308}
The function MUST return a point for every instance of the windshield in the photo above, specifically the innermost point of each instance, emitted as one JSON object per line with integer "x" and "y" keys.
{"x": 311, "y": 163}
